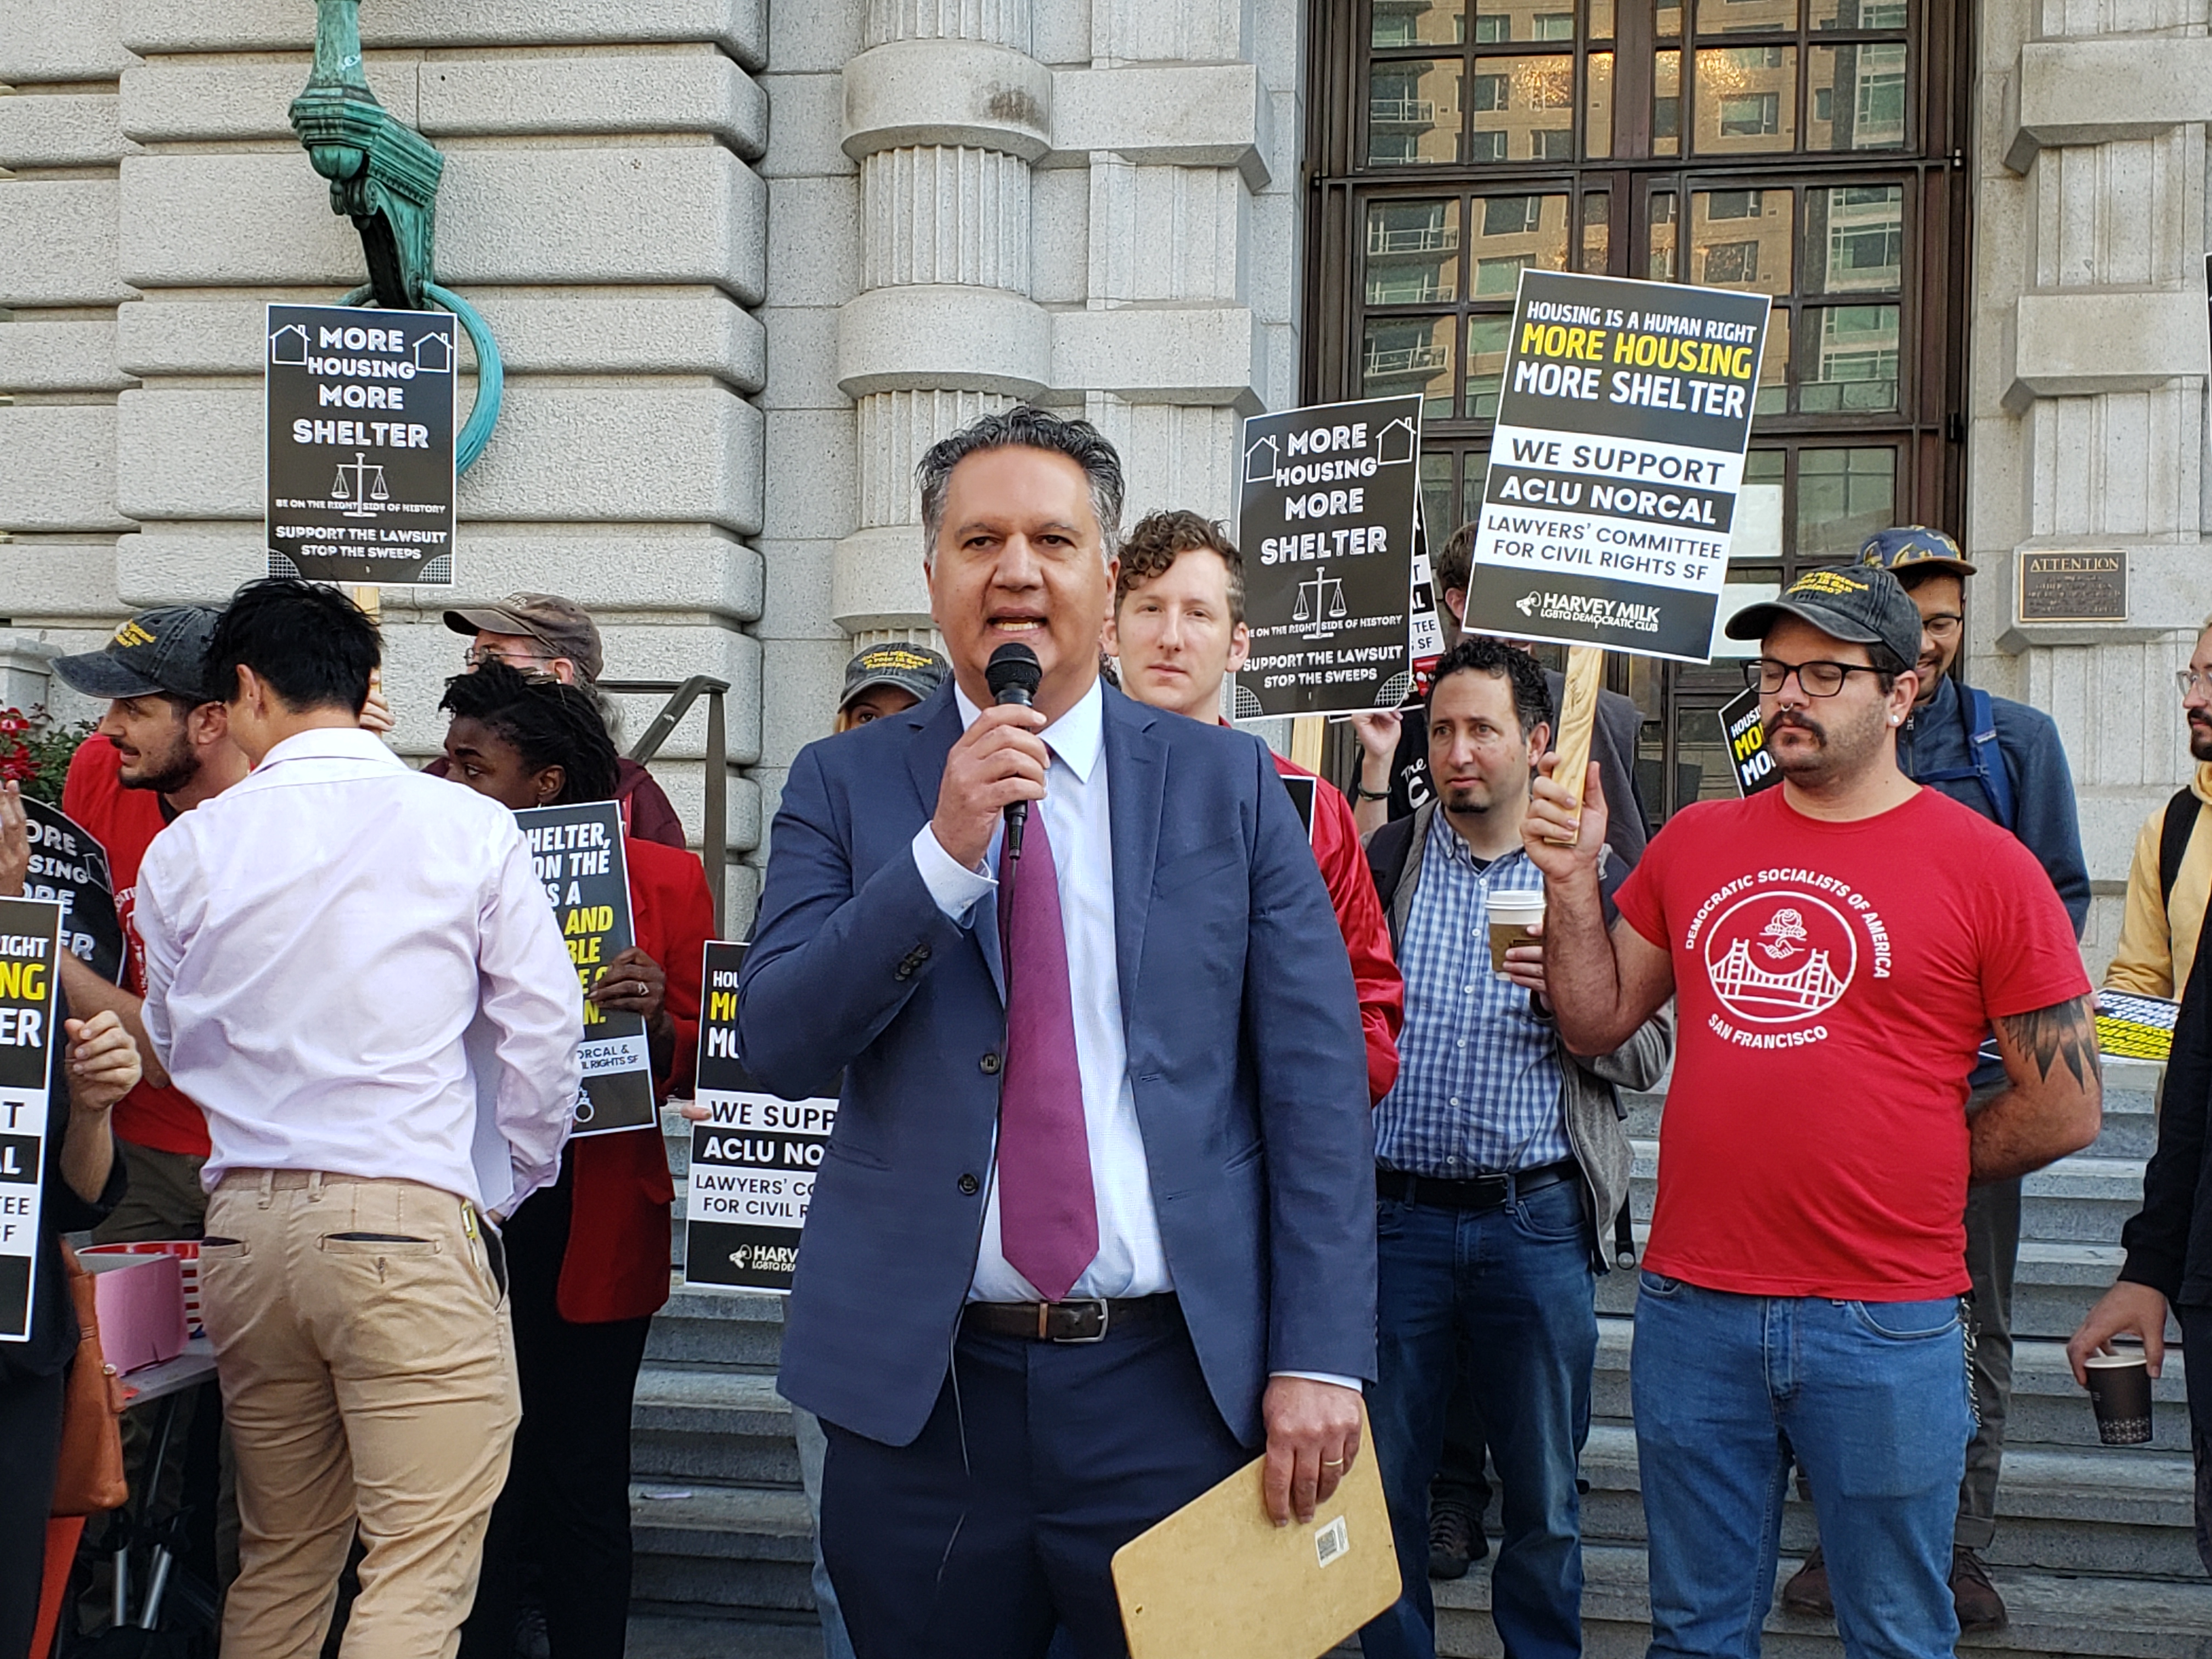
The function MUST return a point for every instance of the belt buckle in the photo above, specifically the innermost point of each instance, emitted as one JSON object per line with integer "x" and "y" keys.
{"x": 1493, "y": 1192}
{"x": 1077, "y": 1307}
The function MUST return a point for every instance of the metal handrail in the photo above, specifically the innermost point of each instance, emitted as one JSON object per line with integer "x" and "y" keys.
{"x": 715, "y": 833}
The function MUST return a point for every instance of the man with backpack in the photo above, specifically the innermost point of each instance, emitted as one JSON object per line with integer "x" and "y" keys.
{"x": 2004, "y": 760}
{"x": 2171, "y": 876}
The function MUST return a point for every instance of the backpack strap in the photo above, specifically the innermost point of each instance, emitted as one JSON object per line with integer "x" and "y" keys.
{"x": 2173, "y": 837}
{"x": 1980, "y": 716}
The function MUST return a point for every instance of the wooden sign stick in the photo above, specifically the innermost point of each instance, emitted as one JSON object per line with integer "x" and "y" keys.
{"x": 1577, "y": 718}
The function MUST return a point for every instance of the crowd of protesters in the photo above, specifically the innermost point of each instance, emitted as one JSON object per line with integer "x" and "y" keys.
{"x": 1190, "y": 1109}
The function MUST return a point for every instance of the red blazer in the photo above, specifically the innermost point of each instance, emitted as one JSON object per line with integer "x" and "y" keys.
{"x": 616, "y": 1263}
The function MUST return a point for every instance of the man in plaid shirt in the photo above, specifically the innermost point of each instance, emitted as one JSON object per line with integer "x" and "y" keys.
{"x": 1500, "y": 1164}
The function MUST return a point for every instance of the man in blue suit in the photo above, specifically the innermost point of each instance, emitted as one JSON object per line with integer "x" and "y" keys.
{"x": 1098, "y": 1218}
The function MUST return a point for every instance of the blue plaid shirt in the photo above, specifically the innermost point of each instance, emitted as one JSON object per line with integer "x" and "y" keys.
{"x": 1478, "y": 1079}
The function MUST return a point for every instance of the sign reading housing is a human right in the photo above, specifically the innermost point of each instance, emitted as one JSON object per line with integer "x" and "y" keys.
{"x": 1614, "y": 471}
{"x": 1325, "y": 521}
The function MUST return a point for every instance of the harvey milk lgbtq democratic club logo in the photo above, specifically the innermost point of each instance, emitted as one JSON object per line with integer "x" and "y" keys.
{"x": 1780, "y": 949}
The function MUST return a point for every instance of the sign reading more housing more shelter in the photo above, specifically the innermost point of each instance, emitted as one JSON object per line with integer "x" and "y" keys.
{"x": 30, "y": 943}
{"x": 1325, "y": 516}
{"x": 577, "y": 851}
{"x": 753, "y": 1160}
{"x": 360, "y": 417}
{"x": 1613, "y": 472}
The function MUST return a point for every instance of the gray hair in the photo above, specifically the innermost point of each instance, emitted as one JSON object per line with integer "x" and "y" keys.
{"x": 1024, "y": 427}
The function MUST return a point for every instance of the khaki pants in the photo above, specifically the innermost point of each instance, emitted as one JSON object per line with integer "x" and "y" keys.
{"x": 367, "y": 1372}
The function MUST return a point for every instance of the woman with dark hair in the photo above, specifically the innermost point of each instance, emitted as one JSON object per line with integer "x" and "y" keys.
{"x": 587, "y": 1257}
{"x": 82, "y": 1181}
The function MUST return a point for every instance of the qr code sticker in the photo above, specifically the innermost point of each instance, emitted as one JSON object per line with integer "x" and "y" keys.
{"x": 1331, "y": 1541}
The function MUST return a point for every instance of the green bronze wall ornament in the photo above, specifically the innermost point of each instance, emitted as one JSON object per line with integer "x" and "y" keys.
{"x": 384, "y": 176}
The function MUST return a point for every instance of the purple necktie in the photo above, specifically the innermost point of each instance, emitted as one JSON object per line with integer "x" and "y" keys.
{"x": 1047, "y": 1213}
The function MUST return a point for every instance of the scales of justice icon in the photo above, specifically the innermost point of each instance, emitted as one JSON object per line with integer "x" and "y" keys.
{"x": 365, "y": 485}
{"x": 1320, "y": 593}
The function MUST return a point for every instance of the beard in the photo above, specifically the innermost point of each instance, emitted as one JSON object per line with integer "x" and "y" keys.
{"x": 1842, "y": 745}
{"x": 165, "y": 770}
{"x": 2200, "y": 738}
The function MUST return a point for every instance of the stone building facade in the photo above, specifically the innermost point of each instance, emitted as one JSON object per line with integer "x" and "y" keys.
{"x": 747, "y": 258}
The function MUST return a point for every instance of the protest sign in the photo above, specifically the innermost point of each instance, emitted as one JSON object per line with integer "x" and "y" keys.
{"x": 30, "y": 942}
{"x": 577, "y": 851}
{"x": 2131, "y": 1027}
{"x": 1751, "y": 763}
{"x": 359, "y": 412}
{"x": 69, "y": 867}
{"x": 1325, "y": 521}
{"x": 1611, "y": 497}
{"x": 753, "y": 1160}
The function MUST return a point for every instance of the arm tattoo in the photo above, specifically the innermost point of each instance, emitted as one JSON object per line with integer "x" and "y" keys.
{"x": 2064, "y": 1032}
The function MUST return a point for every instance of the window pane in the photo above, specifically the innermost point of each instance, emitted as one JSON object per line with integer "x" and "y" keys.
{"x": 1404, "y": 355}
{"x": 1843, "y": 495}
{"x": 1486, "y": 340}
{"x": 1773, "y": 394}
{"x": 1470, "y": 491}
{"x": 1419, "y": 22}
{"x": 1703, "y": 771}
{"x": 1857, "y": 97}
{"x": 1597, "y": 232}
{"x": 1667, "y": 103}
{"x": 1524, "y": 20}
{"x": 1757, "y": 535}
{"x": 1746, "y": 16}
{"x": 1597, "y": 117}
{"x": 1412, "y": 253}
{"x": 1858, "y": 14}
{"x": 1855, "y": 239}
{"x": 1523, "y": 109}
{"x": 1741, "y": 238}
{"x": 1437, "y": 500}
{"x": 1413, "y": 111}
{"x": 1512, "y": 234}
{"x": 1659, "y": 257}
{"x": 1601, "y": 20}
{"x": 1850, "y": 359}
{"x": 1667, "y": 20}
{"x": 1746, "y": 100}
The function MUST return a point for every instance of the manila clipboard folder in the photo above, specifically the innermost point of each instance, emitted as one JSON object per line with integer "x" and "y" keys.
{"x": 1217, "y": 1579}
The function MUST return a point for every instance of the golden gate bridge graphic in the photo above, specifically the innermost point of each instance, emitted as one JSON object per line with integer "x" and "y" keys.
{"x": 1813, "y": 987}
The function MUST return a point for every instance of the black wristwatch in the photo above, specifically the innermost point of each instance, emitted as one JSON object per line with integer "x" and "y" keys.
{"x": 1359, "y": 793}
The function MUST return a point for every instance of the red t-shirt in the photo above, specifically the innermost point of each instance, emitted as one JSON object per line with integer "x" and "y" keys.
{"x": 1834, "y": 981}
{"x": 125, "y": 822}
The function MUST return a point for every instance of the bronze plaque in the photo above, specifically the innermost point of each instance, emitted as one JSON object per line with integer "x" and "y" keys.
{"x": 2074, "y": 585}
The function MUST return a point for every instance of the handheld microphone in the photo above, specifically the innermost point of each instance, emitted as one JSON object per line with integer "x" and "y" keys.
{"x": 1013, "y": 674}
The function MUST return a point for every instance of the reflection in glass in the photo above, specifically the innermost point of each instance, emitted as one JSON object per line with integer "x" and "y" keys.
{"x": 1857, "y": 97}
{"x": 1843, "y": 495}
{"x": 1513, "y": 234}
{"x": 1855, "y": 239}
{"x": 1667, "y": 103}
{"x": 1746, "y": 100}
{"x": 1746, "y": 16}
{"x": 1659, "y": 260}
{"x": 1413, "y": 111}
{"x": 1597, "y": 117}
{"x": 1601, "y": 20}
{"x": 1741, "y": 238}
{"x": 1419, "y": 22}
{"x": 1404, "y": 355}
{"x": 1470, "y": 496}
{"x": 1523, "y": 109}
{"x": 1524, "y": 20}
{"x": 1597, "y": 232}
{"x": 1413, "y": 252}
{"x": 1486, "y": 340}
{"x": 1437, "y": 498}
{"x": 1757, "y": 535}
{"x": 1773, "y": 395}
{"x": 1850, "y": 359}
{"x": 1666, "y": 20}
{"x": 1703, "y": 771}
{"x": 1858, "y": 14}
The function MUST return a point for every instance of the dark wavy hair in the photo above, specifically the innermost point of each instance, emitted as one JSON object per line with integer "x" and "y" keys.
{"x": 1477, "y": 654}
{"x": 1156, "y": 541}
{"x": 550, "y": 724}
{"x": 1023, "y": 428}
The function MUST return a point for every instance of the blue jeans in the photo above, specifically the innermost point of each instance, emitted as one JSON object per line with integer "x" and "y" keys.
{"x": 1872, "y": 1399}
{"x": 1515, "y": 1286}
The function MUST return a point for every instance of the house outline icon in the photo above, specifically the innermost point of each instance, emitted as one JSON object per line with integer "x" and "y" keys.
{"x": 433, "y": 354}
{"x": 1256, "y": 472}
{"x": 294, "y": 351}
{"x": 1403, "y": 442}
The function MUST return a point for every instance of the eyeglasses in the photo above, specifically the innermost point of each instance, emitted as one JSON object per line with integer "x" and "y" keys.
{"x": 1818, "y": 679}
{"x": 1943, "y": 625}
{"x": 477, "y": 655}
{"x": 2192, "y": 684}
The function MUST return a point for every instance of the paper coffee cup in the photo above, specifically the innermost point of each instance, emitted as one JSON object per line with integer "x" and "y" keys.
{"x": 1511, "y": 916}
{"x": 2119, "y": 1393}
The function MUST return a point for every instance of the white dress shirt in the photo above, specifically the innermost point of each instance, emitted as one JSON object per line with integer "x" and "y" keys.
{"x": 320, "y": 939}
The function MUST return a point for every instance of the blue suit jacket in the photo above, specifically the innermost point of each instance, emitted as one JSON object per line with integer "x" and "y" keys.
{"x": 1244, "y": 1046}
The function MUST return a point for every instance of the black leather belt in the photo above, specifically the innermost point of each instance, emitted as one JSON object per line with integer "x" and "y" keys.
{"x": 1482, "y": 1192}
{"x": 1085, "y": 1319}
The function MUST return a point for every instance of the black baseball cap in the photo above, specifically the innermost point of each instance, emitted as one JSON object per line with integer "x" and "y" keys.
{"x": 1861, "y": 603}
{"x": 912, "y": 668}
{"x": 158, "y": 651}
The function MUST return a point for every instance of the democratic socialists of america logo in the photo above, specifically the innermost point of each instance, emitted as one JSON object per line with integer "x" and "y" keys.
{"x": 1780, "y": 956}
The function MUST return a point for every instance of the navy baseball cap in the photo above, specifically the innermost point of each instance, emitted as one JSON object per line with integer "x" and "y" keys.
{"x": 914, "y": 669}
{"x": 159, "y": 651}
{"x": 1860, "y": 603}
{"x": 1914, "y": 547}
